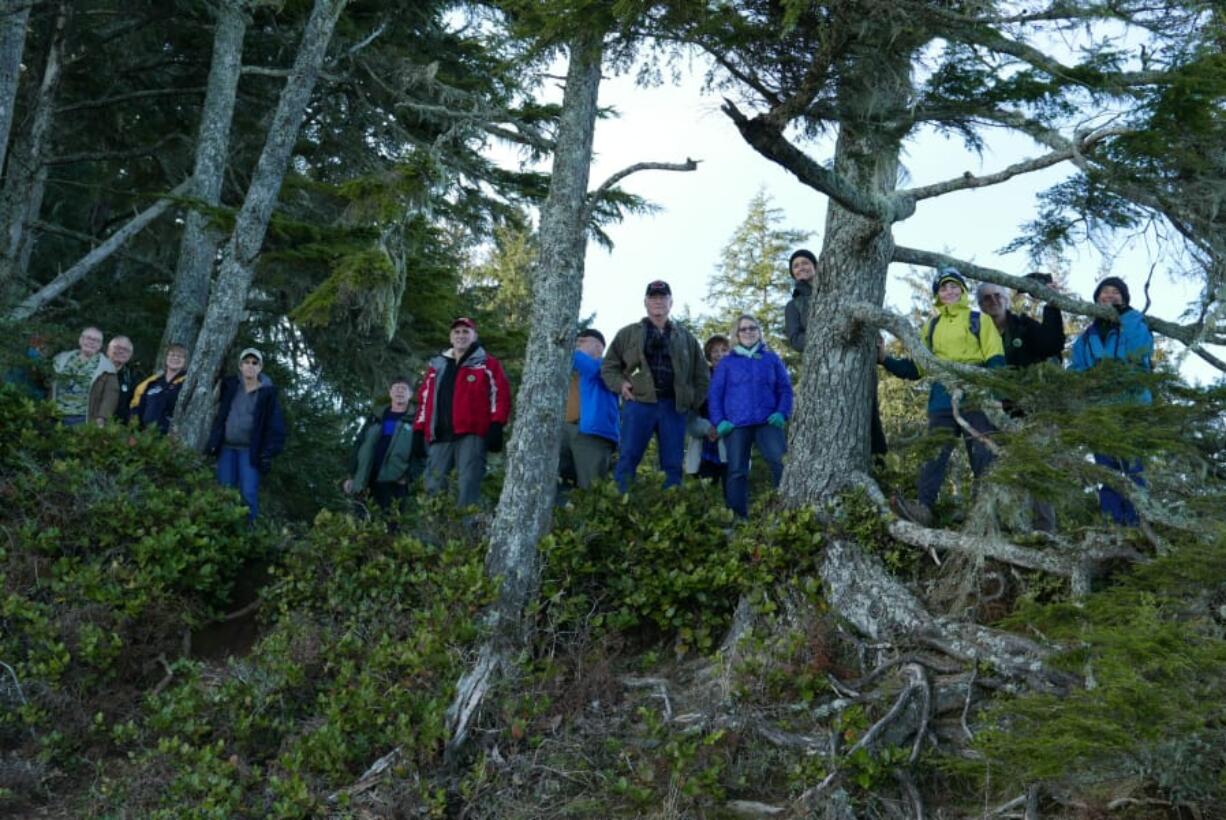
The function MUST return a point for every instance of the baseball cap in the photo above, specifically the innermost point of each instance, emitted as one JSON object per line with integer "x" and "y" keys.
{"x": 659, "y": 288}
{"x": 465, "y": 322}
{"x": 251, "y": 351}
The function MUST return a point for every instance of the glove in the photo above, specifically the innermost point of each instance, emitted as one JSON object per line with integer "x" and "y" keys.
{"x": 776, "y": 420}
{"x": 265, "y": 464}
{"x": 493, "y": 438}
{"x": 724, "y": 428}
{"x": 418, "y": 448}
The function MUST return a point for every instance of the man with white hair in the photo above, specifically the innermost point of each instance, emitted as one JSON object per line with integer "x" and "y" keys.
{"x": 1027, "y": 341}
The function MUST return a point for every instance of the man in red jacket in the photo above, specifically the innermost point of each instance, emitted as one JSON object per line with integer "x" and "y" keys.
{"x": 463, "y": 403}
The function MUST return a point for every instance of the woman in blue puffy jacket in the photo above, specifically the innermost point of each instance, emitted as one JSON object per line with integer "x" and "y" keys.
{"x": 749, "y": 401}
{"x": 1129, "y": 341}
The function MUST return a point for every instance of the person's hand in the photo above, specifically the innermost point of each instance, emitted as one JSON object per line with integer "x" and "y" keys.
{"x": 776, "y": 420}
{"x": 712, "y": 435}
{"x": 725, "y": 427}
{"x": 348, "y": 486}
{"x": 627, "y": 391}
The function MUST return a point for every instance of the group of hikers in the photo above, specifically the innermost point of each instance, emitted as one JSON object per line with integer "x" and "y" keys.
{"x": 707, "y": 406}
{"x": 91, "y": 387}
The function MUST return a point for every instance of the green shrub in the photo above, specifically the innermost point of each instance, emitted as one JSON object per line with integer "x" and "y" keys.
{"x": 112, "y": 544}
{"x": 367, "y": 639}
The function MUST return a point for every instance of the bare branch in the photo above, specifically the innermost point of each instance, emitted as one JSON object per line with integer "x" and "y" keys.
{"x": 107, "y": 156}
{"x": 768, "y": 140}
{"x": 95, "y": 257}
{"x": 1115, "y": 82}
{"x": 970, "y": 181}
{"x": 595, "y": 196}
{"x": 147, "y": 93}
{"x": 282, "y": 73}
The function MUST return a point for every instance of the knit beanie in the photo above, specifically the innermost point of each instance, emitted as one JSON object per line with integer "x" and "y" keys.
{"x": 948, "y": 275}
{"x": 1118, "y": 284}
{"x": 804, "y": 253}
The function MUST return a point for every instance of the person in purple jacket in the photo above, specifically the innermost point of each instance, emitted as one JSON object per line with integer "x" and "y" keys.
{"x": 749, "y": 401}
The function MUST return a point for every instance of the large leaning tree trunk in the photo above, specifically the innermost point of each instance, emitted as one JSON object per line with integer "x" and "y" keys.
{"x": 26, "y": 175}
{"x": 228, "y": 296}
{"x": 189, "y": 295}
{"x": 14, "y": 16}
{"x": 531, "y": 476}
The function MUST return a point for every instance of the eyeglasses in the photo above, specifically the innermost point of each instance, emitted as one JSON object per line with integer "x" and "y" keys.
{"x": 748, "y": 329}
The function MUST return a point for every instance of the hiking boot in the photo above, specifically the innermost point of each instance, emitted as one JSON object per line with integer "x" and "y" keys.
{"x": 913, "y": 511}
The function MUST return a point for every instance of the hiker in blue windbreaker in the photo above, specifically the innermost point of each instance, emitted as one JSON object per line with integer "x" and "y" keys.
{"x": 1129, "y": 340}
{"x": 591, "y": 425}
{"x": 749, "y": 401}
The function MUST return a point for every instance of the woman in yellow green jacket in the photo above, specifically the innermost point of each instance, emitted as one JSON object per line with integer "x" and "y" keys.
{"x": 955, "y": 333}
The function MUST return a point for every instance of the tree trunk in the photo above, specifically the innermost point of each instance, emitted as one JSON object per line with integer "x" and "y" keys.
{"x": 37, "y": 300}
{"x": 25, "y": 178}
{"x": 228, "y": 295}
{"x": 14, "y": 16}
{"x": 528, "y": 490}
{"x": 830, "y": 432}
{"x": 189, "y": 295}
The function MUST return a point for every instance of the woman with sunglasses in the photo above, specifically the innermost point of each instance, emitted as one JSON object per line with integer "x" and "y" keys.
{"x": 750, "y": 401}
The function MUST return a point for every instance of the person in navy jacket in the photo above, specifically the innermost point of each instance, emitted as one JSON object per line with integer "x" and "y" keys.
{"x": 249, "y": 429}
{"x": 1131, "y": 341}
{"x": 590, "y": 430}
{"x": 749, "y": 401}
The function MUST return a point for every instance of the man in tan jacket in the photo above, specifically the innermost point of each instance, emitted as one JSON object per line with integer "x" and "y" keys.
{"x": 658, "y": 369}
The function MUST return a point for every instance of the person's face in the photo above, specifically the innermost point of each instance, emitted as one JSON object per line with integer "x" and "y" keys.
{"x": 718, "y": 352}
{"x": 949, "y": 293}
{"x": 90, "y": 342}
{"x": 748, "y": 333}
{"x": 176, "y": 360}
{"x": 590, "y": 345}
{"x": 399, "y": 394}
{"x": 658, "y": 305}
{"x": 250, "y": 367}
{"x": 462, "y": 337}
{"x": 119, "y": 351}
{"x": 1110, "y": 295}
{"x": 993, "y": 303}
{"x": 802, "y": 269}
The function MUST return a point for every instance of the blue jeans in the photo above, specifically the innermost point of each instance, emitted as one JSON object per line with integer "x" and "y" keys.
{"x": 234, "y": 469}
{"x": 640, "y": 420}
{"x": 932, "y": 473}
{"x": 771, "y": 445}
{"x": 1112, "y": 502}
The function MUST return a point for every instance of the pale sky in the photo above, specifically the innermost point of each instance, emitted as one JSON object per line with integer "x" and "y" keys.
{"x": 700, "y": 209}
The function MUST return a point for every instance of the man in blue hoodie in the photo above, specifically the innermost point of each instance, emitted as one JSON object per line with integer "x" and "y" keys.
{"x": 1131, "y": 341}
{"x": 590, "y": 431}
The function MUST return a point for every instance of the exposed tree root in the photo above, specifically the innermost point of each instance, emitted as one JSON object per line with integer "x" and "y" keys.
{"x": 470, "y": 693}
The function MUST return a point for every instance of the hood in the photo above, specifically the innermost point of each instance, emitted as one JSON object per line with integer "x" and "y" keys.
{"x": 476, "y": 357}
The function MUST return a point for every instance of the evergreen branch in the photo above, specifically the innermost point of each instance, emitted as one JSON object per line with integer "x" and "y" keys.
{"x": 282, "y": 73}
{"x": 1191, "y": 335}
{"x": 145, "y": 94}
{"x": 768, "y": 140}
{"x": 969, "y": 181}
{"x": 1093, "y": 79}
{"x": 593, "y": 198}
{"x": 902, "y": 328}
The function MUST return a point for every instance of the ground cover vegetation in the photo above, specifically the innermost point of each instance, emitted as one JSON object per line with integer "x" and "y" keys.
{"x": 600, "y": 655}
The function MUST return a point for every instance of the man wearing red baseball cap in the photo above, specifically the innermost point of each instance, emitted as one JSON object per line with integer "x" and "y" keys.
{"x": 463, "y": 403}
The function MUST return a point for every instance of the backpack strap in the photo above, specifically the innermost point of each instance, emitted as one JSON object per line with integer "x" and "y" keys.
{"x": 932, "y": 327}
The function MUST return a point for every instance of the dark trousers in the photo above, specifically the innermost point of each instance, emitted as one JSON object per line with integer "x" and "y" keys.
{"x": 467, "y": 455}
{"x": 584, "y": 459}
{"x": 771, "y": 444}
{"x": 932, "y": 473}
{"x": 1111, "y": 501}
{"x": 642, "y": 420}
{"x": 234, "y": 469}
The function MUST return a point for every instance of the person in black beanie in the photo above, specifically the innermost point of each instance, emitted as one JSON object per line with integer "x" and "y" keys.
{"x": 802, "y": 264}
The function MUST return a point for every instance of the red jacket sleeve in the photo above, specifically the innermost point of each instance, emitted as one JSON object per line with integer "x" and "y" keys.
{"x": 501, "y": 389}
{"x": 423, "y": 411}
